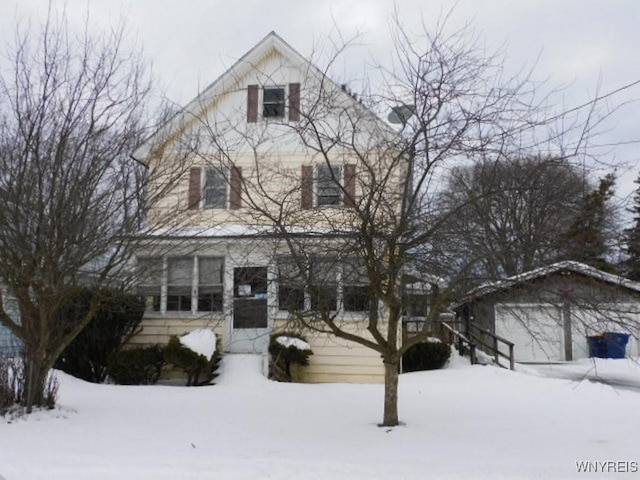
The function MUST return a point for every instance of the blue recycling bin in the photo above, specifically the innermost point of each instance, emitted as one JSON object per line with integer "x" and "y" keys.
{"x": 616, "y": 344}
{"x": 597, "y": 346}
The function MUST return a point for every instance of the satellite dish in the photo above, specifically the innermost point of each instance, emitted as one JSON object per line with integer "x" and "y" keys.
{"x": 401, "y": 113}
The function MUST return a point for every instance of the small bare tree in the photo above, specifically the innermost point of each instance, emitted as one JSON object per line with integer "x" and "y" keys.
{"x": 72, "y": 111}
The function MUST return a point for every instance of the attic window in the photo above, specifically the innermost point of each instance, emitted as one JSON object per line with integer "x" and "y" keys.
{"x": 273, "y": 102}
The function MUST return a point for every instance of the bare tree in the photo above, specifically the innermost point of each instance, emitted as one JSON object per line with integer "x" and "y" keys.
{"x": 72, "y": 110}
{"x": 511, "y": 213}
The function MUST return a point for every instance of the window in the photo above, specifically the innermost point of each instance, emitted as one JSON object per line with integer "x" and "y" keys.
{"x": 355, "y": 290}
{"x": 290, "y": 286}
{"x": 180, "y": 273}
{"x": 325, "y": 284}
{"x": 273, "y": 102}
{"x": 416, "y": 304}
{"x": 183, "y": 291}
{"x": 328, "y": 190}
{"x": 150, "y": 288}
{"x": 215, "y": 189}
{"x": 210, "y": 275}
{"x": 334, "y": 283}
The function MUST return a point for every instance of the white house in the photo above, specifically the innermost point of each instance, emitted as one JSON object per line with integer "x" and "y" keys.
{"x": 230, "y": 166}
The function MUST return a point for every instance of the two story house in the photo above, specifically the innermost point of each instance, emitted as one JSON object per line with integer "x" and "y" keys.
{"x": 244, "y": 176}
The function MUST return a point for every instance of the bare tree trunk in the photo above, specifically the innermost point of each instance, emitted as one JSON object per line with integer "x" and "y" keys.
{"x": 390, "y": 418}
{"x": 35, "y": 375}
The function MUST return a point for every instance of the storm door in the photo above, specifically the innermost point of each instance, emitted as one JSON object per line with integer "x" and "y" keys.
{"x": 250, "y": 323}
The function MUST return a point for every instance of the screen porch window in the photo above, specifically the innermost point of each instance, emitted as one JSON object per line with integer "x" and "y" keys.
{"x": 324, "y": 276}
{"x": 273, "y": 102}
{"x": 215, "y": 189}
{"x": 290, "y": 286}
{"x": 328, "y": 190}
{"x": 210, "y": 277}
{"x": 150, "y": 286}
{"x": 179, "y": 284}
{"x": 356, "y": 292}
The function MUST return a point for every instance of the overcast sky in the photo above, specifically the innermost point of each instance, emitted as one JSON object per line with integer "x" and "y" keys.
{"x": 577, "y": 44}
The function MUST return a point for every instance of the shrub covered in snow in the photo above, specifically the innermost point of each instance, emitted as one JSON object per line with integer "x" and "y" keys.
{"x": 429, "y": 355}
{"x": 287, "y": 349}
{"x": 197, "y": 354}
{"x": 137, "y": 366}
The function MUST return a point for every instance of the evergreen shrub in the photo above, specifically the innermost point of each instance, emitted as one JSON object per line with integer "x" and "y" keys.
{"x": 199, "y": 369}
{"x": 137, "y": 366}
{"x": 426, "y": 356}
{"x": 284, "y": 357}
{"x": 117, "y": 319}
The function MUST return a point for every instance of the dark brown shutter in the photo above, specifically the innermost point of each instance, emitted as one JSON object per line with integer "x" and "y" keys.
{"x": 252, "y": 103}
{"x": 195, "y": 188}
{"x": 235, "y": 196}
{"x": 294, "y": 102}
{"x": 306, "y": 197}
{"x": 350, "y": 185}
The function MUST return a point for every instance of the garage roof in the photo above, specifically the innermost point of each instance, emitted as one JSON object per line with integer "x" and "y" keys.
{"x": 566, "y": 266}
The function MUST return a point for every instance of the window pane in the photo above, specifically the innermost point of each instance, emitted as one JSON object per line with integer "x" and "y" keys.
{"x": 291, "y": 298}
{"x": 210, "y": 299}
{"x": 210, "y": 270}
{"x": 210, "y": 279}
{"x": 356, "y": 298}
{"x": 328, "y": 185}
{"x": 416, "y": 304}
{"x": 150, "y": 275}
{"x": 354, "y": 271}
{"x": 273, "y": 95}
{"x": 150, "y": 271}
{"x": 273, "y": 102}
{"x": 324, "y": 298}
{"x": 178, "y": 301}
{"x": 324, "y": 270}
{"x": 215, "y": 189}
{"x": 180, "y": 271}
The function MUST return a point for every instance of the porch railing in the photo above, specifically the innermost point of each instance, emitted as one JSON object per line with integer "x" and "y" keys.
{"x": 449, "y": 331}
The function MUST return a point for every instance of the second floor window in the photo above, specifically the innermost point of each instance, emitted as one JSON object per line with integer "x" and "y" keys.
{"x": 215, "y": 189}
{"x": 328, "y": 186}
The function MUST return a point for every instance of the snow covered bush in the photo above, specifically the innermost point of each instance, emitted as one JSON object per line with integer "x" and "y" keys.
{"x": 429, "y": 355}
{"x": 137, "y": 366}
{"x": 115, "y": 322}
{"x": 287, "y": 349}
{"x": 197, "y": 354}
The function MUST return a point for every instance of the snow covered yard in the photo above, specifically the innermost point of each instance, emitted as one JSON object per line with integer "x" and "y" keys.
{"x": 461, "y": 422}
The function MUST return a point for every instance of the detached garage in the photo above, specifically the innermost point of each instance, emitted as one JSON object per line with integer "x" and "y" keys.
{"x": 548, "y": 313}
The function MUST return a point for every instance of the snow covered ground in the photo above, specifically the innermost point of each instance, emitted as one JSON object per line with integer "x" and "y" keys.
{"x": 461, "y": 422}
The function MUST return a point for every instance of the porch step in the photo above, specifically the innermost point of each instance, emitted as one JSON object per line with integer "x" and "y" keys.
{"x": 242, "y": 369}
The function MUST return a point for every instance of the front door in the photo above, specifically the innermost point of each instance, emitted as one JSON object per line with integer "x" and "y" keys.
{"x": 249, "y": 333}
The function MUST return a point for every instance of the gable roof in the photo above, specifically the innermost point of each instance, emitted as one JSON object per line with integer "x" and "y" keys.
{"x": 565, "y": 266}
{"x": 219, "y": 86}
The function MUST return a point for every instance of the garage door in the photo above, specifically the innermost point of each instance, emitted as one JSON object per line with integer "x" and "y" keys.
{"x": 536, "y": 331}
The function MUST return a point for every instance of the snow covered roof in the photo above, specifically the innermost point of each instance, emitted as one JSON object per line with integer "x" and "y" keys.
{"x": 565, "y": 266}
{"x": 239, "y": 230}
